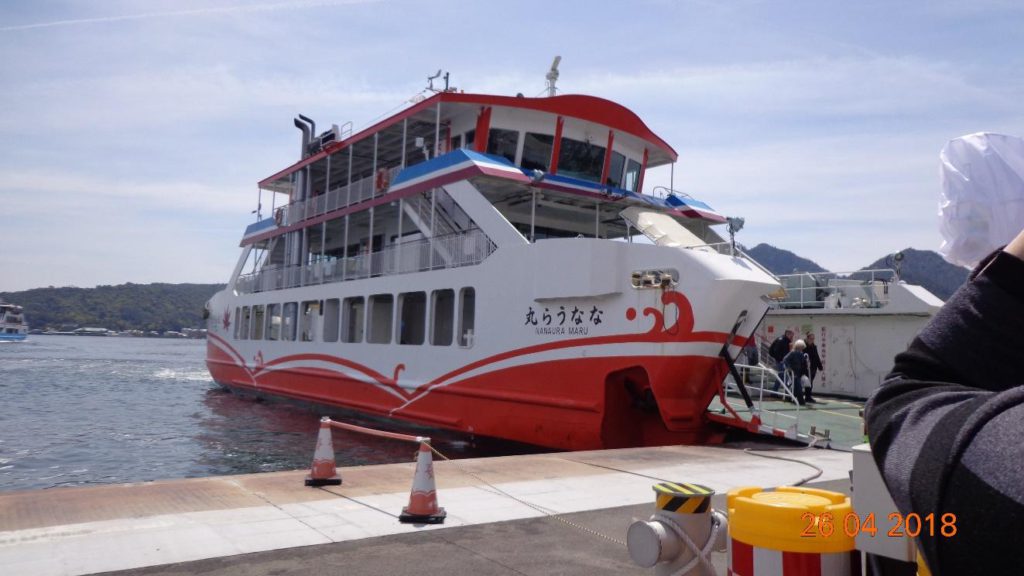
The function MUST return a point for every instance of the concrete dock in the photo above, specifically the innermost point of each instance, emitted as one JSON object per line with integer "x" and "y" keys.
{"x": 563, "y": 513}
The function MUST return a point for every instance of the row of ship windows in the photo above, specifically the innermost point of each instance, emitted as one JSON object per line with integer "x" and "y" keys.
{"x": 576, "y": 159}
{"x": 358, "y": 319}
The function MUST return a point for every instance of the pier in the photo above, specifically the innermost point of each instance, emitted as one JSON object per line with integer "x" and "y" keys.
{"x": 559, "y": 513}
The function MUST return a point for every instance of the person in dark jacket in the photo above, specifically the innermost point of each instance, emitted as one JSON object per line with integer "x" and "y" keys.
{"x": 796, "y": 364}
{"x": 947, "y": 426}
{"x": 815, "y": 364}
{"x": 778, "y": 350}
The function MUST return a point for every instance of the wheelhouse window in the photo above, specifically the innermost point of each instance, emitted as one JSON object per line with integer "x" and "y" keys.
{"x": 273, "y": 321}
{"x": 580, "y": 160}
{"x": 537, "y": 151}
{"x": 632, "y": 178}
{"x": 467, "y": 316}
{"x": 353, "y": 313}
{"x": 412, "y": 317}
{"x": 501, "y": 142}
{"x": 615, "y": 170}
{"x": 381, "y": 312}
{"x": 289, "y": 321}
{"x": 442, "y": 317}
{"x": 331, "y": 309}
{"x": 257, "y": 322}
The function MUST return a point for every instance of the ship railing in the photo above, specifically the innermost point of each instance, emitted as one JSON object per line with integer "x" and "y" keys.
{"x": 763, "y": 381}
{"x": 728, "y": 249}
{"x": 341, "y": 197}
{"x": 760, "y": 382}
{"x": 832, "y": 290}
{"x": 450, "y": 251}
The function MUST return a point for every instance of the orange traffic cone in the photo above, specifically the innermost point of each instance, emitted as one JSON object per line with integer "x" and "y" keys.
{"x": 422, "y": 508}
{"x": 323, "y": 472}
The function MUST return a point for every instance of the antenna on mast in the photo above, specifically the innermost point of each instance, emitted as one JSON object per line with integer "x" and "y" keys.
{"x": 430, "y": 81}
{"x": 552, "y": 76}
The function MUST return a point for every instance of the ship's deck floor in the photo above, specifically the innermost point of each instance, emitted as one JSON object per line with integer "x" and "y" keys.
{"x": 272, "y": 524}
{"x": 839, "y": 418}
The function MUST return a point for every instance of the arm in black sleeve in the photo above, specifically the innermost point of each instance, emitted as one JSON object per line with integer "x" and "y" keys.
{"x": 947, "y": 427}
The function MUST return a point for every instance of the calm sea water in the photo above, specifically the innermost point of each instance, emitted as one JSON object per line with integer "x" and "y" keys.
{"x": 80, "y": 410}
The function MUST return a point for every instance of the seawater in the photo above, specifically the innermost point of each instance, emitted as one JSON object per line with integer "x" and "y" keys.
{"x": 78, "y": 410}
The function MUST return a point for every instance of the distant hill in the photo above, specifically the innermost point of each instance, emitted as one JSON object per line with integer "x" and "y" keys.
{"x": 159, "y": 307}
{"x": 921, "y": 267}
{"x": 927, "y": 269}
{"x": 780, "y": 261}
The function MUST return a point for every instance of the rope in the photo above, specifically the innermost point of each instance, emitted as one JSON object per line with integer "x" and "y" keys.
{"x": 802, "y": 481}
{"x": 701, "y": 555}
{"x": 546, "y": 512}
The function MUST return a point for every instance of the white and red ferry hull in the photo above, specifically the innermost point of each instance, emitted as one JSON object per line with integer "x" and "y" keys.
{"x": 634, "y": 367}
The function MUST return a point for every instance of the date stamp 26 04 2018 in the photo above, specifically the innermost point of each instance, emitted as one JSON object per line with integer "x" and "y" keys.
{"x": 912, "y": 525}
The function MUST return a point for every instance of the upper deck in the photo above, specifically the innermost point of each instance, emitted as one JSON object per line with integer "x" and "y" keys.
{"x": 562, "y": 166}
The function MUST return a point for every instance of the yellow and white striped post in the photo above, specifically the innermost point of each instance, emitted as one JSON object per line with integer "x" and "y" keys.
{"x": 680, "y": 536}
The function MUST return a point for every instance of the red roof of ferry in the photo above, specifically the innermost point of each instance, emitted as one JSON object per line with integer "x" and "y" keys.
{"x": 588, "y": 108}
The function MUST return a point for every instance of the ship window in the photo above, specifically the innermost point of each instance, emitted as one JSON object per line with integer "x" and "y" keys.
{"x": 331, "y": 309}
{"x": 273, "y": 322}
{"x": 257, "y": 322}
{"x": 310, "y": 310}
{"x": 501, "y": 142}
{"x": 580, "y": 160}
{"x": 243, "y": 330}
{"x": 381, "y": 311}
{"x": 353, "y": 320}
{"x": 467, "y": 316}
{"x": 615, "y": 170}
{"x": 291, "y": 310}
{"x": 537, "y": 151}
{"x": 632, "y": 177}
{"x": 412, "y": 317}
{"x": 442, "y": 317}
{"x": 470, "y": 138}
{"x": 238, "y": 320}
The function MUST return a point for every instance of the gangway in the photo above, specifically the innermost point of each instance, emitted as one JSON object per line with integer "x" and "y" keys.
{"x": 830, "y": 423}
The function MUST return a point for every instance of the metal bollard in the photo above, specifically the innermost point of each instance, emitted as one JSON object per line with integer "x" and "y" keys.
{"x": 680, "y": 536}
{"x": 790, "y": 532}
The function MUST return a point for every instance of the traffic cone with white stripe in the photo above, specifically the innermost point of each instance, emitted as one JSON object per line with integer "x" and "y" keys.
{"x": 323, "y": 471}
{"x": 422, "y": 508}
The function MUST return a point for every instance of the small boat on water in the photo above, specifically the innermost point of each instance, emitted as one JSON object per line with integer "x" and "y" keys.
{"x": 13, "y": 327}
{"x": 469, "y": 263}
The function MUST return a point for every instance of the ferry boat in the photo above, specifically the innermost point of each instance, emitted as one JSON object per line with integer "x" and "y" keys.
{"x": 860, "y": 320}
{"x": 12, "y": 323}
{"x": 478, "y": 263}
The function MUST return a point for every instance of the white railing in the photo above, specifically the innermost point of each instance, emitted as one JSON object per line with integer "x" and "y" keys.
{"x": 861, "y": 289}
{"x": 450, "y": 251}
{"x": 764, "y": 380}
{"x": 340, "y": 197}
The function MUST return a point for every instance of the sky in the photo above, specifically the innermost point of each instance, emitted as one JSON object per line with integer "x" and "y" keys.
{"x": 133, "y": 132}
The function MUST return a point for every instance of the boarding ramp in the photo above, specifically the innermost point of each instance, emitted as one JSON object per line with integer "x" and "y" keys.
{"x": 830, "y": 422}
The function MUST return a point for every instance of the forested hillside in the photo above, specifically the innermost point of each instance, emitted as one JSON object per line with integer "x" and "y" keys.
{"x": 147, "y": 307}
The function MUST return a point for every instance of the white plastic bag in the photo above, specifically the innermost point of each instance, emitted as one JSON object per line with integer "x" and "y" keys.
{"x": 982, "y": 202}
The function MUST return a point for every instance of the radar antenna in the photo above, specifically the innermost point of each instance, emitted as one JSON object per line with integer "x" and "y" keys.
{"x": 430, "y": 81}
{"x": 552, "y": 76}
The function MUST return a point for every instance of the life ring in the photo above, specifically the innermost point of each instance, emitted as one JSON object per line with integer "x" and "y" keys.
{"x": 381, "y": 183}
{"x": 279, "y": 216}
